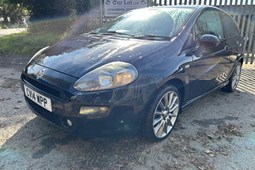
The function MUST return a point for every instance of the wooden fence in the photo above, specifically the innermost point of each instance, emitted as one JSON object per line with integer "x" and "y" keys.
{"x": 243, "y": 11}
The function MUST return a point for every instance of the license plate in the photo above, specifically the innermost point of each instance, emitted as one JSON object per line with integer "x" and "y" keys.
{"x": 39, "y": 99}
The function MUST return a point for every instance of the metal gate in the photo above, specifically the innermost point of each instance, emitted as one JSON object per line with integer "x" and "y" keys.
{"x": 243, "y": 11}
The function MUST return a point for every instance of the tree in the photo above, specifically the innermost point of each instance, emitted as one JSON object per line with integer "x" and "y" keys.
{"x": 12, "y": 11}
{"x": 41, "y": 9}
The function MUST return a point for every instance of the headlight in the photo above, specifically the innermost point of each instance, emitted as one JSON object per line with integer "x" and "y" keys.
{"x": 108, "y": 76}
{"x": 38, "y": 53}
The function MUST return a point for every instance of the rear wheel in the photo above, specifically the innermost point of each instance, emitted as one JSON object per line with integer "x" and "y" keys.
{"x": 163, "y": 114}
{"x": 234, "y": 79}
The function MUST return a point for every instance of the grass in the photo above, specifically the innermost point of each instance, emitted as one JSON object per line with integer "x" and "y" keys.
{"x": 26, "y": 44}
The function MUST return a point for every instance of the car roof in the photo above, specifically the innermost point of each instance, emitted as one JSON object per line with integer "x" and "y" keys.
{"x": 195, "y": 7}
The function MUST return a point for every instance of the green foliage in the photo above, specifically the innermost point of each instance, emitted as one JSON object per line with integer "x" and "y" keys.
{"x": 42, "y": 9}
{"x": 25, "y": 43}
{"x": 54, "y": 26}
{"x": 12, "y": 11}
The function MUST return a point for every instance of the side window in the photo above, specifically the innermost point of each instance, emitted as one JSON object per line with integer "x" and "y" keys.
{"x": 209, "y": 22}
{"x": 230, "y": 26}
{"x": 191, "y": 41}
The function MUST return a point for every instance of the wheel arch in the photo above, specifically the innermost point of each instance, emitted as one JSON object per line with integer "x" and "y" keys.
{"x": 179, "y": 84}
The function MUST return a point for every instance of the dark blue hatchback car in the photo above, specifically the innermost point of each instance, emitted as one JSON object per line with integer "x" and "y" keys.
{"x": 138, "y": 71}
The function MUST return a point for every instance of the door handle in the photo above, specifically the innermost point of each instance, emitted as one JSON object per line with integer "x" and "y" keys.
{"x": 226, "y": 48}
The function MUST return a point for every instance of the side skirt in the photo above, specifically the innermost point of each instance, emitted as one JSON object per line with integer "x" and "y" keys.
{"x": 187, "y": 104}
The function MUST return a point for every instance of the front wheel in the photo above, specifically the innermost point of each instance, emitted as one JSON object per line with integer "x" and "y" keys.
{"x": 234, "y": 79}
{"x": 163, "y": 114}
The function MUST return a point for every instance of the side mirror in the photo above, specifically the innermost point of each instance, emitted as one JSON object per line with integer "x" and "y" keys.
{"x": 209, "y": 40}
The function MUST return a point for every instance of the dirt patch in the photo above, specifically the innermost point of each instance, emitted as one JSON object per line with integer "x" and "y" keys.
{"x": 189, "y": 146}
{"x": 207, "y": 122}
{"x": 10, "y": 83}
{"x": 14, "y": 61}
{"x": 229, "y": 131}
{"x": 4, "y": 32}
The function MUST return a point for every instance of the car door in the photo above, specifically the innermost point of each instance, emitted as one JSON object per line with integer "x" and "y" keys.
{"x": 206, "y": 71}
{"x": 233, "y": 41}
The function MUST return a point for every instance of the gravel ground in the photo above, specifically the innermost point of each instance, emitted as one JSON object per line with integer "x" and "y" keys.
{"x": 4, "y": 32}
{"x": 216, "y": 132}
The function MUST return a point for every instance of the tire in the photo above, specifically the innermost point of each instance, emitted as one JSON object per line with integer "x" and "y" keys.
{"x": 234, "y": 79}
{"x": 162, "y": 114}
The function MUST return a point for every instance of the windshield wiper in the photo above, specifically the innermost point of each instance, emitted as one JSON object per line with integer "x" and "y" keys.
{"x": 139, "y": 36}
{"x": 152, "y": 36}
{"x": 116, "y": 32}
{"x": 93, "y": 32}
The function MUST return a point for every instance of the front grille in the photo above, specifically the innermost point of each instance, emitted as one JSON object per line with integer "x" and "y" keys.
{"x": 47, "y": 89}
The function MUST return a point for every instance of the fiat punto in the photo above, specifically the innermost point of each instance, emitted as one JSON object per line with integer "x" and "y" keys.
{"x": 137, "y": 71}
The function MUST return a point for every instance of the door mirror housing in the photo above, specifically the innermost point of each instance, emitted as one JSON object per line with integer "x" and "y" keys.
{"x": 209, "y": 40}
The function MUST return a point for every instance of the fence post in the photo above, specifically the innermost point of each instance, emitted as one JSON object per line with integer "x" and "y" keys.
{"x": 101, "y": 12}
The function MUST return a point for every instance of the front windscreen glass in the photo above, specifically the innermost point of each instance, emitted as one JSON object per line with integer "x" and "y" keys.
{"x": 161, "y": 22}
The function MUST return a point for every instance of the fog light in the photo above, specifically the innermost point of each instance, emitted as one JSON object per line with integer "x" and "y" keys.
{"x": 84, "y": 110}
{"x": 69, "y": 122}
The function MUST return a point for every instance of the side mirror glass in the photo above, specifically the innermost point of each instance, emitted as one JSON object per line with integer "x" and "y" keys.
{"x": 209, "y": 40}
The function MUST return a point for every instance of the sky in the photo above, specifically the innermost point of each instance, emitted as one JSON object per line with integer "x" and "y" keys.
{"x": 249, "y": 2}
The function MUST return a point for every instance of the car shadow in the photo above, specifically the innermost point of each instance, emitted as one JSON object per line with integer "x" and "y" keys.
{"x": 39, "y": 140}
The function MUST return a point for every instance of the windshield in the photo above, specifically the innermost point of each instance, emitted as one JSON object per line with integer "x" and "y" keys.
{"x": 161, "y": 22}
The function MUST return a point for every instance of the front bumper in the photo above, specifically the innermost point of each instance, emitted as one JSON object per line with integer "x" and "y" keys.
{"x": 126, "y": 105}
{"x": 117, "y": 121}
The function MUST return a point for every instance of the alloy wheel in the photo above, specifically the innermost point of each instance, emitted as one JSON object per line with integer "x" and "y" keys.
{"x": 165, "y": 114}
{"x": 236, "y": 77}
